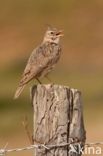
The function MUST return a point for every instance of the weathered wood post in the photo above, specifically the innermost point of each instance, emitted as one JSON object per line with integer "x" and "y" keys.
{"x": 57, "y": 119}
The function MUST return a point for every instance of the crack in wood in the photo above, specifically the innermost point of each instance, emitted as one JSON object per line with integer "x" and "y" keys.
{"x": 57, "y": 117}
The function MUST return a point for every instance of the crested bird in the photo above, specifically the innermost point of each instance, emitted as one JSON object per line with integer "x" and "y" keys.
{"x": 42, "y": 59}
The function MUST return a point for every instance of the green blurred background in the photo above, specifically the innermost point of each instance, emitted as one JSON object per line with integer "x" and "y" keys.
{"x": 22, "y": 26}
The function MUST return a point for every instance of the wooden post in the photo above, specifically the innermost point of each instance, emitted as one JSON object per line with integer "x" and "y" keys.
{"x": 57, "y": 119}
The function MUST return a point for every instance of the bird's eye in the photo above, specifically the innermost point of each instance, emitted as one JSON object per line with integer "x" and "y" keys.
{"x": 51, "y": 33}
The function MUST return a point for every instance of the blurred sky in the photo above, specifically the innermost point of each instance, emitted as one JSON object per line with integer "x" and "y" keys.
{"x": 22, "y": 26}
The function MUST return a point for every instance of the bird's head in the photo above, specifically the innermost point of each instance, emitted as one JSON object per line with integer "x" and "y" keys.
{"x": 53, "y": 35}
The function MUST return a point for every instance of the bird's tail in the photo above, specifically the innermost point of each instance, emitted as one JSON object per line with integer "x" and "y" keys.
{"x": 18, "y": 91}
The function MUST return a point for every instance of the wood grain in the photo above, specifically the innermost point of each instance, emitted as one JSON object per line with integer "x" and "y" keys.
{"x": 57, "y": 118}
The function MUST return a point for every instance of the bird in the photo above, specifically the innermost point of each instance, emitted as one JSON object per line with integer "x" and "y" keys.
{"x": 42, "y": 59}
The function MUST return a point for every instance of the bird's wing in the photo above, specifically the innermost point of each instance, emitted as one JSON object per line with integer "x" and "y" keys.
{"x": 36, "y": 63}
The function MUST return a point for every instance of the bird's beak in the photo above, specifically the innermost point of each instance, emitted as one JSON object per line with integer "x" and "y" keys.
{"x": 60, "y": 33}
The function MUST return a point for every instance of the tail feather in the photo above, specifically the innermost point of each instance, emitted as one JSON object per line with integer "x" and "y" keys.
{"x": 18, "y": 91}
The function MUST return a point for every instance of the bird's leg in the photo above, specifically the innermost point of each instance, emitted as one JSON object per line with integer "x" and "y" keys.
{"x": 48, "y": 78}
{"x": 38, "y": 80}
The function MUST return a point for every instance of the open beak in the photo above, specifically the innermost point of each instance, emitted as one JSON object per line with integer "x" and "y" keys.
{"x": 60, "y": 33}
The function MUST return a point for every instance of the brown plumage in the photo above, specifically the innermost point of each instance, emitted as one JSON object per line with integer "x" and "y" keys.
{"x": 42, "y": 59}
